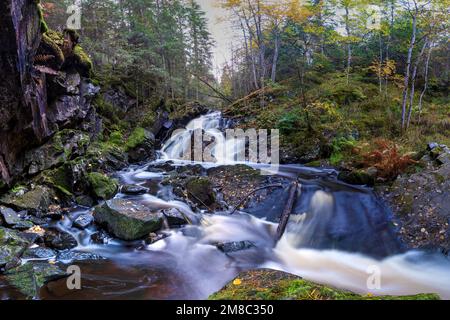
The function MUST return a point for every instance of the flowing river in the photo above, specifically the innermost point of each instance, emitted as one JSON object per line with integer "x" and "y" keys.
{"x": 338, "y": 235}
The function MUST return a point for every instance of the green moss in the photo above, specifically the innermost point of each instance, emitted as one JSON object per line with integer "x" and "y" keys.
{"x": 84, "y": 62}
{"x": 52, "y": 43}
{"x": 31, "y": 277}
{"x": 149, "y": 120}
{"x": 136, "y": 138}
{"x": 42, "y": 24}
{"x": 103, "y": 186}
{"x": 274, "y": 285}
{"x": 58, "y": 179}
{"x": 116, "y": 138}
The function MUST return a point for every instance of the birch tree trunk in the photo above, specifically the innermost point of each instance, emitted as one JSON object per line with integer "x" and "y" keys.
{"x": 408, "y": 70}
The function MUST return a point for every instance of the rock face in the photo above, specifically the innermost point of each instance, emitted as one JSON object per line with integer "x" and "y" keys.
{"x": 37, "y": 101}
{"x": 421, "y": 203}
{"x": 127, "y": 220}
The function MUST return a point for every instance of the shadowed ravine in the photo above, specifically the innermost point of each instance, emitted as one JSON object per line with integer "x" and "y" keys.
{"x": 337, "y": 233}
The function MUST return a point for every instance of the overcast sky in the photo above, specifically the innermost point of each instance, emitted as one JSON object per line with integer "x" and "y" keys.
{"x": 221, "y": 32}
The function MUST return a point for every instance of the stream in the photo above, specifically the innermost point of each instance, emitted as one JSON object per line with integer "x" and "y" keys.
{"x": 338, "y": 234}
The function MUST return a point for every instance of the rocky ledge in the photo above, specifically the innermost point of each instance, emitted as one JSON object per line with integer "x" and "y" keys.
{"x": 421, "y": 201}
{"x": 275, "y": 285}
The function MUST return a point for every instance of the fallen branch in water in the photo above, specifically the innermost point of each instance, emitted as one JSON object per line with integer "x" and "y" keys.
{"x": 287, "y": 210}
{"x": 251, "y": 193}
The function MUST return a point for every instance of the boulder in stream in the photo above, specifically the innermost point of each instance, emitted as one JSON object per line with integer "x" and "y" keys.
{"x": 31, "y": 277}
{"x": 128, "y": 220}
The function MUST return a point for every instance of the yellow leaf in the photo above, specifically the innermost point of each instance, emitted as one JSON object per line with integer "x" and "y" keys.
{"x": 237, "y": 282}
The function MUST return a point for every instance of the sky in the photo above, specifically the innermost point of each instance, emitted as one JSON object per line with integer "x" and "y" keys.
{"x": 221, "y": 31}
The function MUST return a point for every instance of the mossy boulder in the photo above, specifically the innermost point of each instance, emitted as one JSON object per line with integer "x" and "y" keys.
{"x": 103, "y": 186}
{"x": 31, "y": 277}
{"x": 276, "y": 285}
{"x": 200, "y": 191}
{"x": 37, "y": 200}
{"x": 358, "y": 177}
{"x": 12, "y": 246}
{"x": 140, "y": 146}
{"x": 128, "y": 220}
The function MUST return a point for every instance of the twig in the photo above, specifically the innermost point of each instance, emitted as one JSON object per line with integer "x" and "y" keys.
{"x": 251, "y": 193}
{"x": 287, "y": 210}
{"x": 190, "y": 193}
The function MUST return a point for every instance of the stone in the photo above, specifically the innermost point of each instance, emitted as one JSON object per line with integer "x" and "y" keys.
{"x": 31, "y": 277}
{"x": 36, "y": 200}
{"x": 12, "y": 219}
{"x": 141, "y": 146}
{"x": 84, "y": 201}
{"x": 69, "y": 256}
{"x": 99, "y": 237}
{"x": 59, "y": 240}
{"x": 174, "y": 218}
{"x": 432, "y": 145}
{"x": 444, "y": 158}
{"x": 133, "y": 189}
{"x": 230, "y": 247}
{"x": 127, "y": 220}
{"x": 200, "y": 191}
{"x": 39, "y": 253}
{"x": 83, "y": 221}
{"x": 103, "y": 186}
{"x": 12, "y": 246}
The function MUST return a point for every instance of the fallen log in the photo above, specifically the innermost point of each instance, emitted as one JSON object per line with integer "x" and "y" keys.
{"x": 287, "y": 210}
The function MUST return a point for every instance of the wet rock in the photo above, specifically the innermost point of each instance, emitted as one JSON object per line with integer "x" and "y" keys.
{"x": 31, "y": 277}
{"x": 192, "y": 170}
{"x": 12, "y": 246}
{"x": 39, "y": 253}
{"x": 155, "y": 237}
{"x": 127, "y": 220}
{"x": 59, "y": 240}
{"x": 103, "y": 187}
{"x": 200, "y": 191}
{"x": 174, "y": 218}
{"x": 162, "y": 167}
{"x": 230, "y": 247}
{"x": 84, "y": 201}
{"x": 234, "y": 183}
{"x": 83, "y": 221}
{"x": 133, "y": 189}
{"x": 69, "y": 256}
{"x": 36, "y": 200}
{"x": 141, "y": 146}
{"x": 11, "y": 219}
{"x": 99, "y": 237}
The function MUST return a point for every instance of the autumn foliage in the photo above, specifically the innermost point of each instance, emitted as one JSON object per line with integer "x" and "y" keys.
{"x": 387, "y": 159}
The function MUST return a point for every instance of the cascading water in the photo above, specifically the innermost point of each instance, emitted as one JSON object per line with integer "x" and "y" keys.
{"x": 337, "y": 235}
